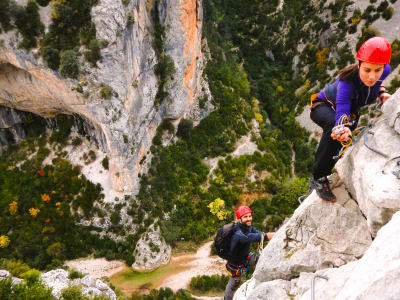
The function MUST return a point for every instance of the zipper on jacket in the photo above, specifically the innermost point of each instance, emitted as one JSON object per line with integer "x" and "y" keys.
{"x": 369, "y": 90}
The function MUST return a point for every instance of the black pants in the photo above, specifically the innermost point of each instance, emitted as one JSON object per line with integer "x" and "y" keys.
{"x": 324, "y": 116}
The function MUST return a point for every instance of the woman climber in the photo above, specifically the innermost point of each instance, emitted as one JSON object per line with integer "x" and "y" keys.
{"x": 336, "y": 108}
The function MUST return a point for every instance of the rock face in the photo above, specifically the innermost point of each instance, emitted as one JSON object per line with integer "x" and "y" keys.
{"x": 318, "y": 235}
{"x": 373, "y": 185}
{"x": 151, "y": 251}
{"x": 335, "y": 239}
{"x": 127, "y": 122}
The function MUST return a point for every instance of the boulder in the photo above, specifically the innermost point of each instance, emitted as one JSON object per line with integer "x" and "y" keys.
{"x": 149, "y": 257}
{"x": 57, "y": 280}
{"x": 319, "y": 235}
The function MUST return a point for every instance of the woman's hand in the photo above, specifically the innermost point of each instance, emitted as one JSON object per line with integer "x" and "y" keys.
{"x": 342, "y": 134}
{"x": 383, "y": 97}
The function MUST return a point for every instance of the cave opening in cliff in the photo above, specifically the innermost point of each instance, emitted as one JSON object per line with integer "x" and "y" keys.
{"x": 17, "y": 125}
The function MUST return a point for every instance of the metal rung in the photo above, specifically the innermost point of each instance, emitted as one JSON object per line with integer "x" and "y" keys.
{"x": 313, "y": 284}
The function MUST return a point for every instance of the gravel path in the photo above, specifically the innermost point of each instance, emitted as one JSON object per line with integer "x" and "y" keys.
{"x": 202, "y": 264}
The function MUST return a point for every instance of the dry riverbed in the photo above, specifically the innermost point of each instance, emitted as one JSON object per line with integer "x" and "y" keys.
{"x": 177, "y": 274}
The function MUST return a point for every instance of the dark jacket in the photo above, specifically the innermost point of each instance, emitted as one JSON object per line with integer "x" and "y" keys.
{"x": 241, "y": 242}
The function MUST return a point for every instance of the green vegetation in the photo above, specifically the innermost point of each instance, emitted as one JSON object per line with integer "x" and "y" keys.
{"x": 106, "y": 92}
{"x": 28, "y": 22}
{"x": 68, "y": 19}
{"x": 104, "y": 163}
{"x": 165, "y": 294}
{"x": 42, "y": 205}
{"x": 131, "y": 19}
{"x": 205, "y": 284}
{"x": 69, "y": 64}
{"x": 165, "y": 68}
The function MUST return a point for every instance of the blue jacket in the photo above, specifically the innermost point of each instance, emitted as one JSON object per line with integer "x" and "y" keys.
{"x": 241, "y": 242}
{"x": 348, "y": 97}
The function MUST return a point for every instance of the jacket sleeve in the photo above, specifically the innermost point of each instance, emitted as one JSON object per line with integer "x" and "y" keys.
{"x": 343, "y": 102}
{"x": 239, "y": 238}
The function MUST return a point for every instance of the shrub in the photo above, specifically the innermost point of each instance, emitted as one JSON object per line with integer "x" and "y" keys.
{"x": 72, "y": 293}
{"x": 31, "y": 277}
{"x": 93, "y": 54}
{"x": 382, "y": 6}
{"x": 388, "y": 13}
{"x": 131, "y": 19}
{"x": 29, "y": 24}
{"x": 76, "y": 141}
{"x": 74, "y": 274}
{"x": 206, "y": 283}
{"x": 106, "y": 92}
{"x": 52, "y": 57}
{"x": 69, "y": 64}
{"x": 126, "y": 2}
{"x": 56, "y": 250}
{"x": 104, "y": 162}
{"x": 115, "y": 217}
{"x": 185, "y": 127}
{"x": 15, "y": 267}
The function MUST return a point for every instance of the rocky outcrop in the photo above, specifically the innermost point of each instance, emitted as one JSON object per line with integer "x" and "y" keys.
{"x": 4, "y": 274}
{"x": 318, "y": 235}
{"x": 58, "y": 280}
{"x": 127, "y": 122}
{"x": 151, "y": 251}
{"x": 373, "y": 185}
{"x": 336, "y": 239}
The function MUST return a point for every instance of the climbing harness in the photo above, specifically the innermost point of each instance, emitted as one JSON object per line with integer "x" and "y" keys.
{"x": 313, "y": 284}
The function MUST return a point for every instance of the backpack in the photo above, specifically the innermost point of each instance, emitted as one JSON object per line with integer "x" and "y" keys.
{"x": 223, "y": 238}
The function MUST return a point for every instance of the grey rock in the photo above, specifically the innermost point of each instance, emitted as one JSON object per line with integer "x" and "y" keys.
{"x": 15, "y": 281}
{"x": 58, "y": 280}
{"x": 272, "y": 290}
{"x": 325, "y": 289}
{"x": 4, "y": 274}
{"x": 318, "y": 235}
{"x": 377, "y": 274}
{"x": 145, "y": 258}
{"x": 373, "y": 185}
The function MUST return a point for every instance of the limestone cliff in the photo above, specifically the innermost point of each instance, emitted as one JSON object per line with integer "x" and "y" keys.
{"x": 353, "y": 241}
{"x": 125, "y": 124}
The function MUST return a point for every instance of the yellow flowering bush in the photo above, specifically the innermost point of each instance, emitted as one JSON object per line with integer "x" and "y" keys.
{"x": 45, "y": 198}
{"x": 4, "y": 241}
{"x": 34, "y": 211}
{"x": 217, "y": 208}
{"x": 13, "y": 207}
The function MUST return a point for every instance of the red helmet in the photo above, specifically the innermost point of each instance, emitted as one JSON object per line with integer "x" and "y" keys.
{"x": 242, "y": 210}
{"x": 375, "y": 50}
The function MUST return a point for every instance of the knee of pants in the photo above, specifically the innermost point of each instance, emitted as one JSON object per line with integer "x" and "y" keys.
{"x": 236, "y": 284}
{"x": 328, "y": 127}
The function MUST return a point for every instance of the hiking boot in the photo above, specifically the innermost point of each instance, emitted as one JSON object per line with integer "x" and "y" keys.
{"x": 322, "y": 187}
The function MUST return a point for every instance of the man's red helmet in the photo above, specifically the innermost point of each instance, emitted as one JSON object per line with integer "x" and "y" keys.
{"x": 242, "y": 210}
{"x": 375, "y": 50}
